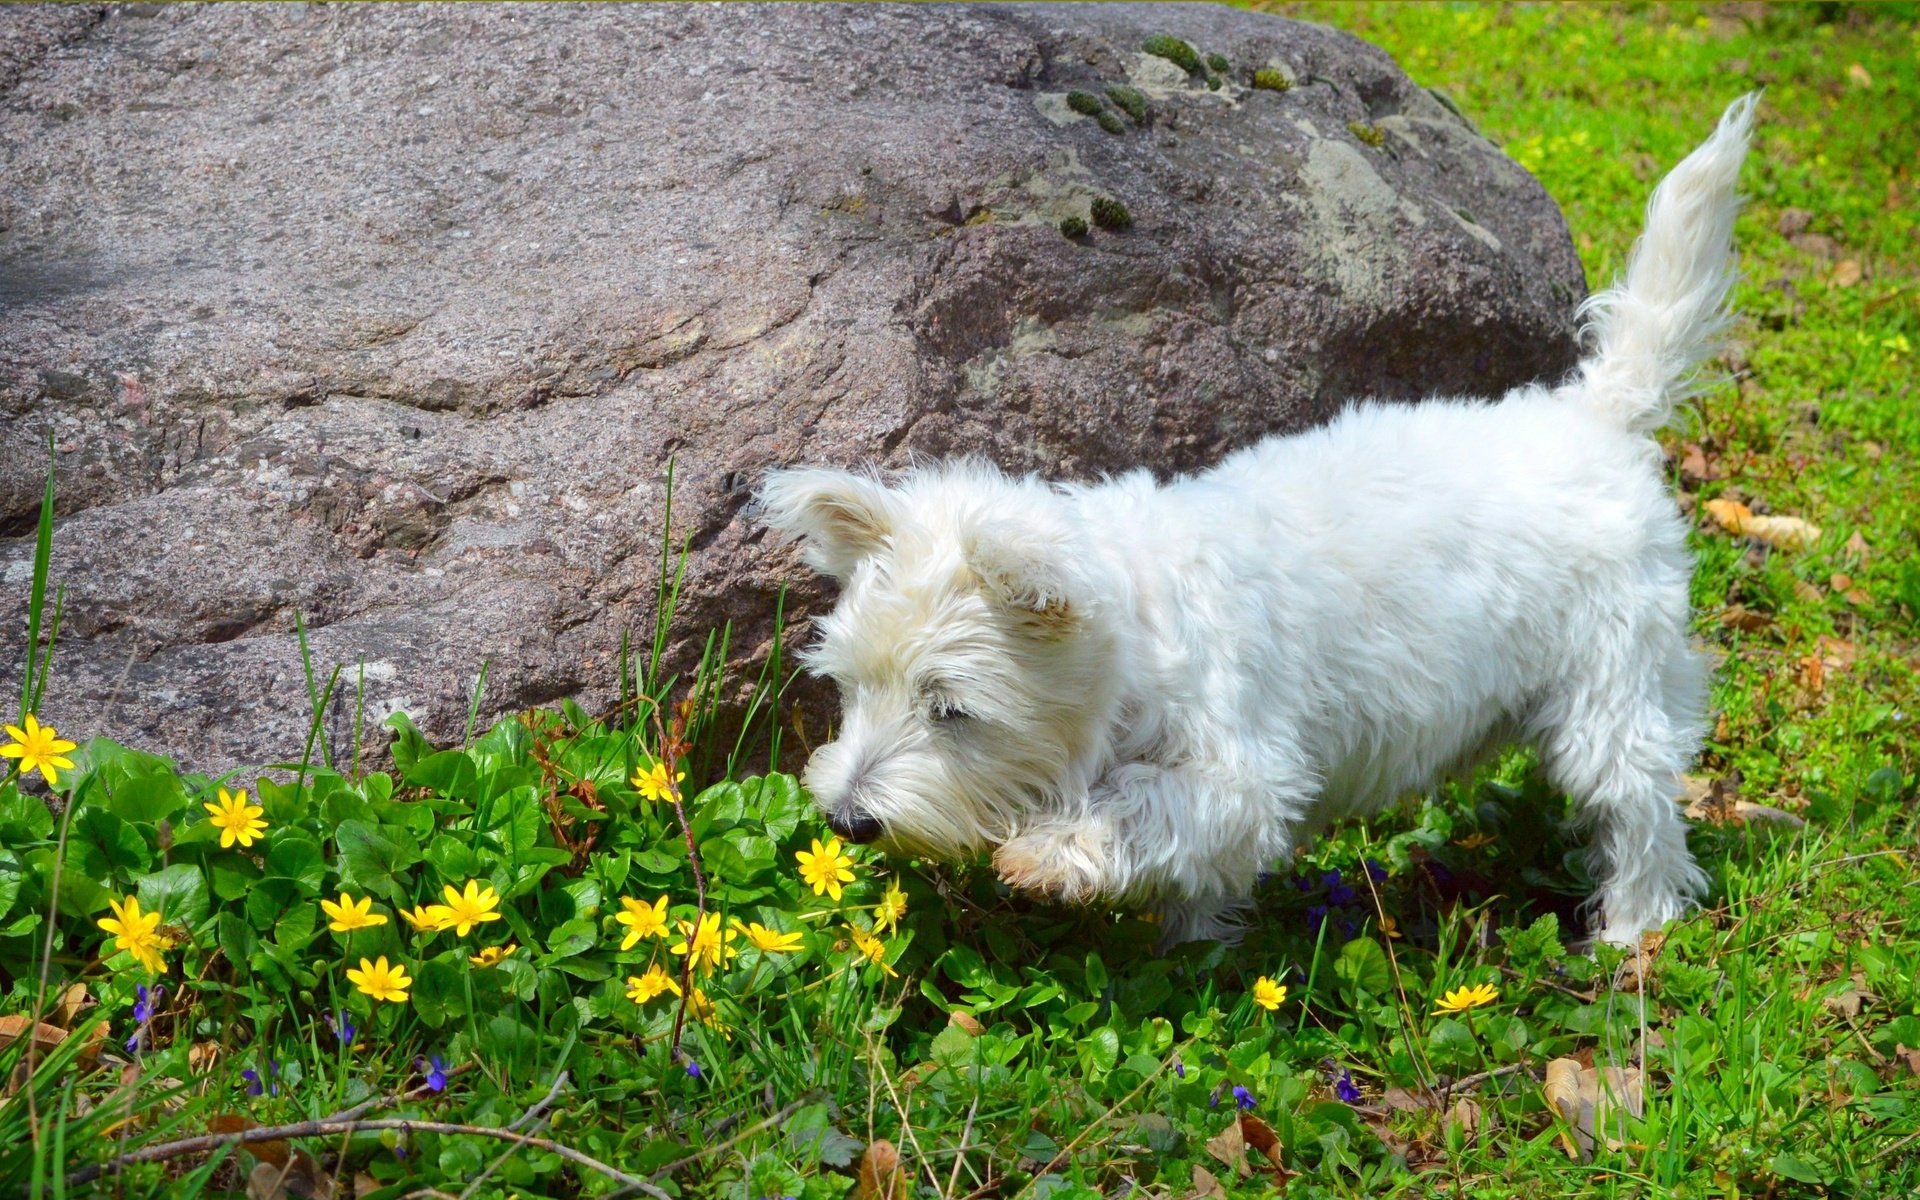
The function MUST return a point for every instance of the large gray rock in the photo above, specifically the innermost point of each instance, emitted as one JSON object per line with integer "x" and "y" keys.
{"x": 394, "y": 316}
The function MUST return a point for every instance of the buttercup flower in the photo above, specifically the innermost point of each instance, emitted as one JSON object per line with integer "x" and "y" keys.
{"x": 701, "y": 1006}
{"x": 642, "y": 988}
{"x": 710, "y": 945}
{"x": 871, "y": 948}
{"x": 1268, "y": 994}
{"x": 350, "y": 914}
{"x": 475, "y": 906}
{"x": 380, "y": 981}
{"x": 1462, "y": 999}
{"x": 653, "y": 784}
{"x": 491, "y": 956}
{"x": 892, "y": 907}
{"x": 38, "y": 748}
{"x": 642, "y": 920}
{"x": 137, "y": 933}
{"x": 237, "y": 820}
{"x": 825, "y": 869}
{"x": 770, "y": 940}
{"x": 427, "y": 918}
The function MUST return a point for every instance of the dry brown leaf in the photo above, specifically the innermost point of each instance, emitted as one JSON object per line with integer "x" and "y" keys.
{"x": 201, "y": 1056}
{"x": 1205, "y": 1186}
{"x": 45, "y": 1036}
{"x": 1857, "y": 547}
{"x": 1846, "y": 273}
{"x": 1787, "y": 533}
{"x": 1813, "y": 673}
{"x": 1636, "y": 972}
{"x": 1594, "y": 1102}
{"x": 1465, "y": 1114}
{"x": 1230, "y": 1147}
{"x": 1405, "y": 1100}
{"x": 1859, "y": 75}
{"x": 1261, "y": 1137}
{"x": 881, "y": 1177}
{"x": 1848, "y": 1001}
{"x": 1909, "y": 1057}
{"x": 275, "y": 1152}
{"x": 966, "y": 1022}
{"x": 1694, "y": 464}
{"x": 1746, "y": 620}
{"x": 1807, "y": 592}
{"x": 72, "y": 1002}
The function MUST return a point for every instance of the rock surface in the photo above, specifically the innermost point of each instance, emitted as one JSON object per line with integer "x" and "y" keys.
{"x": 394, "y": 316}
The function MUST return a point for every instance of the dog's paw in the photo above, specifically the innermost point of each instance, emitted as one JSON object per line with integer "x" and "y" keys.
{"x": 1054, "y": 866}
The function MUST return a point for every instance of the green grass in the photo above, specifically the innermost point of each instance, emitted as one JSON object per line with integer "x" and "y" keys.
{"x": 1773, "y": 1026}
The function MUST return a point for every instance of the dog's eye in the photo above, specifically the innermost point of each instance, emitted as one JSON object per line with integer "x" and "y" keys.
{"x": 941, "y": 711}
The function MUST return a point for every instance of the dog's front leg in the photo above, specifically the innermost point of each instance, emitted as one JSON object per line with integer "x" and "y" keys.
{"x": 1069, "y": 860}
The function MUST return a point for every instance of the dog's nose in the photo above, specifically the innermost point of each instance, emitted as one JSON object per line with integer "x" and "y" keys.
{"x": 854, "y": 825}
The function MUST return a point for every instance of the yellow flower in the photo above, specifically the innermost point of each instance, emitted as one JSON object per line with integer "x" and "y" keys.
{"x": 711, "y": 945}
{"x": 490, "y": 956}
{"x": 237, "y": 820}
{"x": 1390, "y": 927}
{"x": 137, "y": 933}
{"x": 427, "y": 918}
{"x": 653, "y": 783}
{"x": 38, "y": 747}
{"x": 380, "y": 981}
{"x": 475, "y": 906}
{"x": 642, "y": 988}
{"x": 642, "y": 920}
{"x": 701, "y": 1006}
{"x": 1462, "y": 999}
{"x": 1475, "y": 840}
{"x": 871, "y": 948}
{"x": 770, "y": 940}
{"x": 351, "y": 914}
{"x": 892, "y": 907}
{"x": 826, "y": 868}
{"x": 1268, "y": 994}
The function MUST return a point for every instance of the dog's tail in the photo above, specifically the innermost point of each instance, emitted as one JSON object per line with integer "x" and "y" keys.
{"x": 1649, "y": 332}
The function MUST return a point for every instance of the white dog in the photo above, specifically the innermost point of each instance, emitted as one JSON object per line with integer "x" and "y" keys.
{"x": 1149, "y": 694}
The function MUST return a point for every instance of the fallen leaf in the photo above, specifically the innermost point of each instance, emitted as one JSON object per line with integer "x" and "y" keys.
{"x": 1465, "y": 1114}
{"x": 1230, "y": 1147}
{"x": 1807, "y": 592}
{"x": 966, "y": 1022}
{"x": 1787, "y": 533}
{"x": 1745, "y": 619}
{"x": 70, "y": 1005}
{"x": 201, "y": 1056}
{"x": 276, "y": 1152}
{"x": 1839, "y": 582}
{"x": 1261, "y": 1137}
{"x": 1859, "y": 75}
{"x": 1845, "y": 274}
{"x": 1205, "y": 1186}
{"x": 1813, "y": 673}
{"x": 1694, "y": 465}
{"x": 1746, "y": 812}
{"x": 1857, "y": 547}
{"x": 1594, "y": 1103}
{"x": 1636, "y": 971}
{"x": 1848, "y": 1001}
{"x": 881, "y": 1177}
{"x": 1404, "y": 1100}
{"x": 1909, "y": 1057}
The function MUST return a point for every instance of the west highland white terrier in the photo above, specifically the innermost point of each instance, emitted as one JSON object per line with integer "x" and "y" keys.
{"x": 1150, "y": 694}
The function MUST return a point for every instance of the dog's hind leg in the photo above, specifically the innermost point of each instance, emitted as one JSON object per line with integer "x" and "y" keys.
{"x": 1617, "y": 740}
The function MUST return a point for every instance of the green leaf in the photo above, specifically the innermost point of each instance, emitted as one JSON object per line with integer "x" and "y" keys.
{"x": 236, "y": 938}
{"x": 233, "y": 876}
{"x": 449, "y": 773}
{"x": 409, "y": 744}
{"x": 269, "y": 901}
{"x": 739, "y": 857}
{"x": 451, "y": 858}
{"x": 178, "y": 893}
{"x": 12, "y": 875}
{"x": 954, "y": 1047}
{"x": 120, "y": 845}
{"x": 23, "y": 818}
{"x": 296, "y": 857}
{"x": 1100, "y": 1050}
{"x": 1792, "y": 1166}
{"x": 1362, "y": 967}
{"x": 570, "y": 938}
{"x": 439, "y": 992}
{"x": 372, "y": 860}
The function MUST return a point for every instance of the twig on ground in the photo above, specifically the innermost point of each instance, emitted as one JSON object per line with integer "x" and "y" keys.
{"x": 304, "y": 1129}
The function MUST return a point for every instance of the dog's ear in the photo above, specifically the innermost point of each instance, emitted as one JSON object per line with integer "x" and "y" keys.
{"x": 842, "y": 517}
{"x": 1025, "y": 567}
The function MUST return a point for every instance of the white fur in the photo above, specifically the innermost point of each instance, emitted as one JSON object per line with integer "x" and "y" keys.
{"x": 1152, "y": 693}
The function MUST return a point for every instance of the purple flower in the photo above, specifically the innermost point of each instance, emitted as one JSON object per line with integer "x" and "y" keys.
{"x": 142, "y": 1013}
{"x": 693, "y": 1068}
{"x": 1303, "y": 883}
{"x": 256, "y": 1085}
{"x": 1343, "y": 1087}
{"x": 1213, "y": 1101}
{"x": 1374, "y": 869}
{"x": 1439, "y": 871}
{"x": 343, "y": 1029}
{"x": 1179, "y": 1067}
{"x": 1338, "y": 893}
{"x": 1315, "y": 915}
{"x": 436, "y": 1072}
{"x": 1243, "y": 1097}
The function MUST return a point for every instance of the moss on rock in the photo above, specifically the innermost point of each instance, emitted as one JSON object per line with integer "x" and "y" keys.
{"x": 1175, "y": 51}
